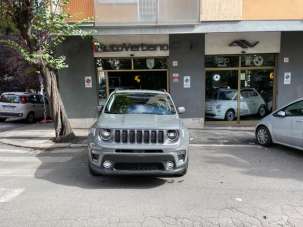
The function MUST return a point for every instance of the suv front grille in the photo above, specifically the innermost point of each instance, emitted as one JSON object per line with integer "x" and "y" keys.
{"x": 138, "y": 136}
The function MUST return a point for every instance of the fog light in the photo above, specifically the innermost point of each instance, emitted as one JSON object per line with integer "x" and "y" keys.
{"x": 169, "y": 165}
{"x": 107, "y": 164}
{"x": 181, "y": 157}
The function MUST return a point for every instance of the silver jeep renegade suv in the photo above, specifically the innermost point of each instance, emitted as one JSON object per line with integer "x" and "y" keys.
{"x": 139, "y": 133}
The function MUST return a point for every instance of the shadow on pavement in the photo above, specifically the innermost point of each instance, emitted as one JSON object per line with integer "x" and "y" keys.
{"x": 75, "y": 173}
{"x": 273, "y": 162}
{"x": 222, "y": 136}
{"x": 8, "y": 125}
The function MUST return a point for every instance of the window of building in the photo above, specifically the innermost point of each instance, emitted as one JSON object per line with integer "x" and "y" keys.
{"x": 252, "y": 76}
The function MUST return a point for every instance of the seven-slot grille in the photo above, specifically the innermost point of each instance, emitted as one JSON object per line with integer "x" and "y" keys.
{"x": 138, "y": 136}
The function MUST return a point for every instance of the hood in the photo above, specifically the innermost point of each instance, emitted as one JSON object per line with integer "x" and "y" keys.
{"x": 138, "y": 121}
{"x": 212, "y": 102}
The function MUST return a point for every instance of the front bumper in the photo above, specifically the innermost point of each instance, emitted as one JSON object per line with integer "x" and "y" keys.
{"x": 214, "y": 115}
{"x": 138, "y": 162}
{"x": 10, "y": 115}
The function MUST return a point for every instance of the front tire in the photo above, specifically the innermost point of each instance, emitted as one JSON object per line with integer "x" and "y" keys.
{"x": 263, "y": 136}
{"x": 230, "y": 115}
{"x": 262, "y": 111}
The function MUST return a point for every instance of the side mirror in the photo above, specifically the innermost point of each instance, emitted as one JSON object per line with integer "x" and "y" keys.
{"x": 281, "y": 114}
{"x": 181, "y": 109}
{"x": 99, "y": 109}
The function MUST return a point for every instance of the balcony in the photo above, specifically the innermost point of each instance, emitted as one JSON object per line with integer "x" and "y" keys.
{"x": 146, "y": 12}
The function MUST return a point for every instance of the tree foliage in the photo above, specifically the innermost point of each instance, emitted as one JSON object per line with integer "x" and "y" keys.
{"x": 40, "y": 25}
{"x": 15, "y": 73}
{"x": 38, "y": 28}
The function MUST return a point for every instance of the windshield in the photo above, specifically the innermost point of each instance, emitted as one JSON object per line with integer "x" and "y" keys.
{"x": 225, "y": 94}
{"x": 140, "y": 103}
{"x": 9, "y": 98}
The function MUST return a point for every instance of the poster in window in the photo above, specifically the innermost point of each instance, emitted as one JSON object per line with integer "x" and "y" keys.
{"x": 186, "y": 82}
{"x": 287, "y": 78}
{"x": 88, "y": 82}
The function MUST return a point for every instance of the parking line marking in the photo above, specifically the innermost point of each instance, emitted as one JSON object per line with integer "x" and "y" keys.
{"x": 24, "y": 172}
{"x": 225, "y": 145}
{"x": 36, "y": 159}
{"x": 7, "y": 195}
{"x": 17, "y": 151}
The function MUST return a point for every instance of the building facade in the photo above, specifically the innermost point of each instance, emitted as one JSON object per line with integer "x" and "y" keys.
{"x": 216, "y": 57}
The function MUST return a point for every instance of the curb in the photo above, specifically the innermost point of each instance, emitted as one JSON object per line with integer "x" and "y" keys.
{"x": 55, "y": 146}
{"x": 239, "y": 129}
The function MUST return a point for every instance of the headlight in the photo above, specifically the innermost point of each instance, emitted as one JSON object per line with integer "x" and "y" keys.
{"x": 173, "y": 135}
{"x": 105, "y": 134}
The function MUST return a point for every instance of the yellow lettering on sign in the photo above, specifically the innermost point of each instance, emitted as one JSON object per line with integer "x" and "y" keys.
{"x": 137, "y": 78}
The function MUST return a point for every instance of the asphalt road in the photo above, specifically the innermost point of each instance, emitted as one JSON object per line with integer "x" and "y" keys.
{"x": 6, "y": 126}
{"x": 228, "y": 185}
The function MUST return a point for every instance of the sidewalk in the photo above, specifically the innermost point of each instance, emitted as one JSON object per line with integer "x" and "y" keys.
{"x": 39, "y": 136}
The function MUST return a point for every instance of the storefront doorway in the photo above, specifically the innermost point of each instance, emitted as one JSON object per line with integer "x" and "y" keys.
{"x": 130, "y": 73}
{"x": 150, "y": 80}
{"x": 239, "y": 88}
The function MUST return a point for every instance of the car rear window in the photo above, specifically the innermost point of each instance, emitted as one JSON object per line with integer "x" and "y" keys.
{"x": 10, "y": 98}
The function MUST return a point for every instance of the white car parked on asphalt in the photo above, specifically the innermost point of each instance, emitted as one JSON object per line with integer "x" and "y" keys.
{"x": 22, "y": 105}
{"x": 284, "y": 126}
{"x": 223, "y": 104}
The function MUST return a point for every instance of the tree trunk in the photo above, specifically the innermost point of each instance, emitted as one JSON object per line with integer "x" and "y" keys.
{"x": 62, "y": 125}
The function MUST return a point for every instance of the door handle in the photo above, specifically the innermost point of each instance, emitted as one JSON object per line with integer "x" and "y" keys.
{"x": 299, "y": 121}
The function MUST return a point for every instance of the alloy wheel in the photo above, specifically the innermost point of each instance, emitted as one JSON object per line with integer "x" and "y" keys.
{"x": 263, "y": 136}
{"x": 230, "y": 115}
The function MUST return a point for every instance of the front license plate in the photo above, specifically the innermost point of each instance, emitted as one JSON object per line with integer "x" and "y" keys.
{"x": 8, "y": 107}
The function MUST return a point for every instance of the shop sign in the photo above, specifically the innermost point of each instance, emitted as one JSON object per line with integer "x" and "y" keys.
{"x": 176, "y": 77}
{"x": 286, "y": 60}
{"x": 256, "y": 60}
{"x": 216, "y": 77}
{"x": 186, "y": 82}
{"x": 287, "y": 78}
{"x": 150, "y": 63}
{"x": 175, "y": 63}
{"x": 88, "y": 82}
{"x": 99, "y": 47}
{"x": 243, "y": 43}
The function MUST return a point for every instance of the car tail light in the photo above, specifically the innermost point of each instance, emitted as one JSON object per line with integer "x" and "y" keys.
{"x": 23, "y": 99}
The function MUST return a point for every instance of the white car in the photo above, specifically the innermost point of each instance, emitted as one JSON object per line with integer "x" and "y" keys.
{"x": 22, "y": 105}
{"x": 224, "y": 104}
{"x": 284, "y": 126}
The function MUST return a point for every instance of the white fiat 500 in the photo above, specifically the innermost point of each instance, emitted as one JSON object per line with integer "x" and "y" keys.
{"x": 223, "y": 104}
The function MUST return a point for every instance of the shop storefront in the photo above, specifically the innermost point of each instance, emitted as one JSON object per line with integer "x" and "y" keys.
{"x": 130, "y": 73}
{"x": 131, "y": 62}
{"x": 240, "y": 86}
{"x": 217, "y": 77}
